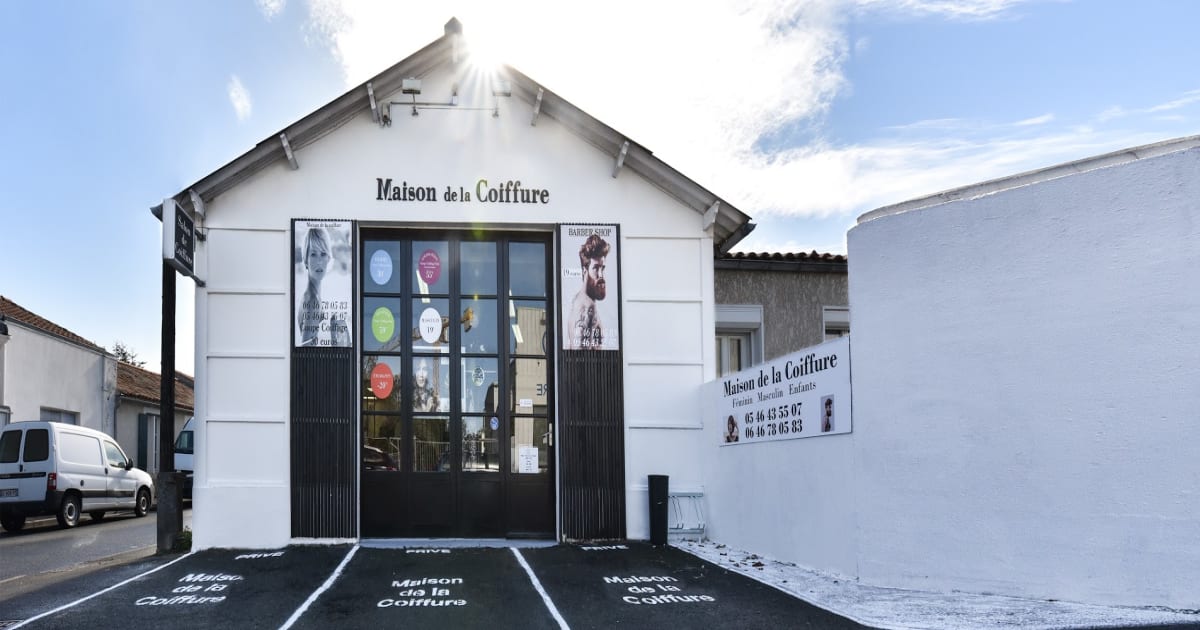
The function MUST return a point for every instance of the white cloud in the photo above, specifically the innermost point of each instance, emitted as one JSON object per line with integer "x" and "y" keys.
{"x": 239, "y": 97}
{"x": 701, "y": 83}
{"x": 955, "y": 9}
{"x": 270, "y": 8}
{"x": 1037, "y": 120}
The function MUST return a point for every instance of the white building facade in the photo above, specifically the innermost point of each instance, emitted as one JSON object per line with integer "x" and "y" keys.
{"x": 397, "y": 335}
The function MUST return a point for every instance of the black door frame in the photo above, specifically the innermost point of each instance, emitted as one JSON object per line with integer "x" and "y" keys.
{"x": 406, "y": 503}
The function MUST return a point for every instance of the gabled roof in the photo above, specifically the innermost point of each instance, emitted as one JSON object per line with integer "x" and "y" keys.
{"x": 730, "y": 225}
{"x": 145, "y": 386}
{"x": 16, "y": 313}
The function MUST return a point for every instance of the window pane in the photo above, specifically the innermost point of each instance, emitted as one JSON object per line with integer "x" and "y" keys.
{"x": 10, "y": 447}
{"x": 531, "y": 444}
{"x": 529, "y": 385}
{"x": 480, "y": 445}
{"x": 37, "y": 445}
{"x": 430, "y": 325}
{"x": 527, "y": 269}
{"x": 381, "y": 267}
{"x": 431, "y": 444}
{"x": 478, "y": 268}
{"x": 382, "y": 381}
{"x": 381, "y": 324}
{"x": 381, "y": 442}
{"x": 430, "y": 262}
{"x": 114, "y": 455}
{"x": 479, "y": 326}
{"x": 183, "y": 443}
{"x": 479, "y": 377}
{"x": 529, "y": 334}
{"x": 431, "y": 384}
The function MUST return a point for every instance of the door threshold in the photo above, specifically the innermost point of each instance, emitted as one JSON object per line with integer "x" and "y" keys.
{"x": 455, "y": 543}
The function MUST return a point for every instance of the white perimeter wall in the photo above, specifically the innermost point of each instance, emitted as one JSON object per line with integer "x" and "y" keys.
{"x": 1025, "y": 390}
{"x": 791, "y": 500}
{"x": 44, "y": 371}
{"x": 243, "y": 317}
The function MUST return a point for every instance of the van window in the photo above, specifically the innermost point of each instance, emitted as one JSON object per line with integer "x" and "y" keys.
{"x": 37, "y": 445}
{"x": 80, "y": 449}
{"x": 115, "y": 456}
{"x": 183, "y": 444}
{"x": 10, "y": 446}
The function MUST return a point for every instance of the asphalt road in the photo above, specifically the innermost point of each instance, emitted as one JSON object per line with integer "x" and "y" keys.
{"x": 42, "y": 547}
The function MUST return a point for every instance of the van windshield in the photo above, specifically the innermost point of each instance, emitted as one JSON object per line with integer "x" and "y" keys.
{"x": 10, "y": 446}
{"x": 183, "y": 444}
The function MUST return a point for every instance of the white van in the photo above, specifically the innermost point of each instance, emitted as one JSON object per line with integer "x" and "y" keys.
{"x": 65, "y": 470}
{"x": 185, "y": 448}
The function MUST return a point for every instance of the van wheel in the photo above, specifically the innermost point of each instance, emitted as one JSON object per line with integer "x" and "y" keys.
{"x": 12, "y": 522}
{"x": 142, "y": 507}
{"x": 68, "y": 512}
{"x": 97, "y": 516}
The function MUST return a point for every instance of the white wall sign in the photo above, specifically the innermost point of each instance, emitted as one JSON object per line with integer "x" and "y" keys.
{"x": 527, "y": 459}
{"x": 590, "y": 281}
{"x": 322, "y": 259}
{"x": 803, "y": 394}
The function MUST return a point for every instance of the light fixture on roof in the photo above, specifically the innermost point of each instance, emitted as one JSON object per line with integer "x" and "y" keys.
{"x": 412, "y": 87}
{"x": 500, "y": 87}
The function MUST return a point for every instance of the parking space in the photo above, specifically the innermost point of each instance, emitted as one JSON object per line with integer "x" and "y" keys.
{"x": 635, "y": 585}
{"x": 211, "y": 589}
{"x": 564, "y": 586}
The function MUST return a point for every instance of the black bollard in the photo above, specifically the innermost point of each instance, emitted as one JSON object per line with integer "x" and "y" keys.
{"x": 659, "y": 493}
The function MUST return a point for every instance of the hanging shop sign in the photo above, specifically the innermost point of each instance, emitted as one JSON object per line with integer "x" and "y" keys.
{"x": 179, "y": 237}
{"x": 323, "y": 286}
{"x": 590, "y": 287}
{"x": 803, "y": 394}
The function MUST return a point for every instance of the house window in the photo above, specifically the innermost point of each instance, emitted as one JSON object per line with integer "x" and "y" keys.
{"x": 733, "y": 352}
{"x": 739, "y": 337}
{"x": 836, "y": 320}
{"x": 58, "y": 415}
{"x": 5, "y": 415}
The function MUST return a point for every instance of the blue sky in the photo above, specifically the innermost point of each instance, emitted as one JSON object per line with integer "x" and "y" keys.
{"x": 805, "y": 114}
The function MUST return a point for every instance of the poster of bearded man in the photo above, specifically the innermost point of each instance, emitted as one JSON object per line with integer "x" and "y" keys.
{"x": 590, "y": 287}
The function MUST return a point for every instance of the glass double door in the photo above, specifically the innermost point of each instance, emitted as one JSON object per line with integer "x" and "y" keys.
{"x": 457, "y": 438}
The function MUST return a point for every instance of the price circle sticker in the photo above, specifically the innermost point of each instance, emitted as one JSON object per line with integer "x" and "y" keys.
{"x": 429, "y": 265}
{"x": 381, "y": 267}
{"x": 383, "y": 324}
{"x": 430, "y": 325}
{"x": 382, "y": 380}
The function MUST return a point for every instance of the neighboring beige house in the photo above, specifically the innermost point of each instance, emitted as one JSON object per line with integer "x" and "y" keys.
{"x": 50, "y": 373}
{"x": 771, "y": 304}
{"x": 138, "y": 411}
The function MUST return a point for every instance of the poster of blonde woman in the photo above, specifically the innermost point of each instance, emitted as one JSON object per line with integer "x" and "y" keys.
{"x": 590, "y": 287}
{"x": 323, "y": 285}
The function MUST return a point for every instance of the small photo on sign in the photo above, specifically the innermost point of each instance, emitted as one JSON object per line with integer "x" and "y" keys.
{"x": 826, "y": 414}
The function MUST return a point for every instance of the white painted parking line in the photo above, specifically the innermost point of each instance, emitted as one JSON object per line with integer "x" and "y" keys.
{"x": 562, "y": 623}
{"x": 99, "y": 593}
{"x": 333, "y": 577}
